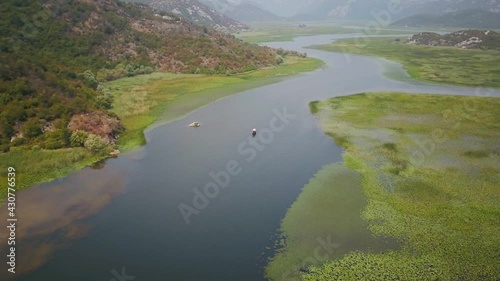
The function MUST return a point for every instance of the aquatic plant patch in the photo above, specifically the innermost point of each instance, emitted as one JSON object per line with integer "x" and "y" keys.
{"x": 429, "y": 167}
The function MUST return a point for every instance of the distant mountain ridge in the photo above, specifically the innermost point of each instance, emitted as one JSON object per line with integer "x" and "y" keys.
{"x": 472, "y": 18}
{"x": 242, "y": 11}
{"x": 364, "y": 9}
{"x": 251, "y": 13}
{"x": 196, "y": 12}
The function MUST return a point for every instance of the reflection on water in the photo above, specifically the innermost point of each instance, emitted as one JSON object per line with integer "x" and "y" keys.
{"x": 49, "y": 216}
{"x": 98, "y": 165}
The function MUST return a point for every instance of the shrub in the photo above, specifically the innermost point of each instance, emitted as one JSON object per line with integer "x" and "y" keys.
{"x": 78, "y": 138}
{"x": 19, "y": 141}
{"x": 54, "y": 144}
{"x": 32, "y": 128}
{"x": 89, "y": 78}
{"x": 4, "y": 147}
{"x": 105, "y": 98}
{"x": 279, "y": 59}
{"x": 97, "y": 145}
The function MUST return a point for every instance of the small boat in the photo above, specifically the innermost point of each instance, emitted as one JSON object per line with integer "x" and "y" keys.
{"x": 194, "y": 124}
{"x": 254, "y": 132}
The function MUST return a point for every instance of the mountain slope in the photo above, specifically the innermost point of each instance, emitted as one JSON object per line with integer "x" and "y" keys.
{"x": 364, "y": 9}
{"x": 54, "y": 53}
{"x": 472, "y": 18}
{"x": 249, "y": 13}
{"x": 242, "y": 11}
{"x": 196, "y": 12}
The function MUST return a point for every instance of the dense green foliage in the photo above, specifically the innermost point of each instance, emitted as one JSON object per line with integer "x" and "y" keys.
{"x": 432, "y": 64}
{"x": 429, "y": 168}
{"x": 96, "y": 145}
{"x": 56, "y": 53}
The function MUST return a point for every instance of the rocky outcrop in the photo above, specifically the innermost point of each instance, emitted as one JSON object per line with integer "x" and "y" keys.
{"x": 97, "y": 123}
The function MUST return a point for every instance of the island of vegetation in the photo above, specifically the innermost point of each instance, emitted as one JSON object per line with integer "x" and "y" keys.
{"x": 428, "y": 166}
{"x": 469, "y": 58}
{"x": 66, "y": 67}
{"x": 417, "y": 195}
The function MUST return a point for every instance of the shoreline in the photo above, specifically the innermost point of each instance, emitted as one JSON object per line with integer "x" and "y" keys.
{"x": 62, "y": 162}
{"x": 458, "y": 68}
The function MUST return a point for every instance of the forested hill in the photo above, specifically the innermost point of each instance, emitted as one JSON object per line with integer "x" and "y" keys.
{"x": 54, "y": 53}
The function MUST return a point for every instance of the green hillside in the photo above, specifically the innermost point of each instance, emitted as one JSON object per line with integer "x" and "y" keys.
{"x": 55, "y": 54}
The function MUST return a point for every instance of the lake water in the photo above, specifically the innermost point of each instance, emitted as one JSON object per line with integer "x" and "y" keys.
{"x": 122, "y": 221}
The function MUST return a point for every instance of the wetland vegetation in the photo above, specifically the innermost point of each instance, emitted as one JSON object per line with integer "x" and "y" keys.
{"x": 429, "y": 167}
{"x": 451, "y": 65}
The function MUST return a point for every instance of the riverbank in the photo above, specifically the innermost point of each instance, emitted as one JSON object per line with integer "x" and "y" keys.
{"x": 450, "y": 65}
{"x": 428, "y": 167}
{"x": 140, "y": 101}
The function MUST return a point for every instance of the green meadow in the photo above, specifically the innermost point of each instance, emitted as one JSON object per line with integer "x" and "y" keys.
{"x": 139, "y": 101}
{"x": 429, "y": 169}
{"x": 450, "y": 65}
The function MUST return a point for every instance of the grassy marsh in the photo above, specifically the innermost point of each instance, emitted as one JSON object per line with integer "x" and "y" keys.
{"x": 449, "y": 65}
{"x": 429, "y": 167}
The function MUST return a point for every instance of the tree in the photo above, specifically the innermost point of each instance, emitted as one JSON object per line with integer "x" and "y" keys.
{"x": 89, "y": 78}
{"x": 104, "y": 98}
{"x": 97, "y": 145}
{"x": 32, "y": 128}
{"x": 78, "y": 138}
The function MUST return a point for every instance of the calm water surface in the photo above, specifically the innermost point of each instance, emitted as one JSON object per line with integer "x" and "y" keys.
{"x": 123, "y": 218}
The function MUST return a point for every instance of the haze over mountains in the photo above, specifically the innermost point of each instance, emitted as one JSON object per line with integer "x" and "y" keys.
{"x": 242, "y": 11}
{"x": 471, "y": 18}
{"x": 228, "y": 14}
{"x": 347, "y": 9}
